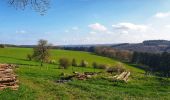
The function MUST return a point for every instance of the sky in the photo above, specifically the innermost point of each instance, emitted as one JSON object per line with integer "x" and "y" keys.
{"x": 70, "y": 22}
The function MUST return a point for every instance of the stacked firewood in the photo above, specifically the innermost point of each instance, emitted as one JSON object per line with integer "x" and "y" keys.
{"x": 123, "y": 76}
{"x": 8, "y": 79}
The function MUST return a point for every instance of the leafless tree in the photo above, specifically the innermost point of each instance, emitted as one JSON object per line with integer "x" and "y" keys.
{"x": 41, "y": 51}
{"x": 40, "y": 6}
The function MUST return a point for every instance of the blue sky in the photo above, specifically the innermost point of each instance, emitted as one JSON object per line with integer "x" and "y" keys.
{"x": 87, "y": 22}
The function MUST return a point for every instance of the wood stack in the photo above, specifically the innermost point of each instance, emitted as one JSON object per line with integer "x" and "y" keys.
{"x": 85, "y": 75}
{"x": 7, "y": 77}
{"x": 77, "y": 75}
{"x": 81, "y": 76}
{"x": 123, "y": 76}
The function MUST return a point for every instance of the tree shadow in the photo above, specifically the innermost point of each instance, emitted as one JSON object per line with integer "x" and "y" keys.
{"x": 25, "y": 64}
{"x": 163, "y": 81}
{"x": 19, "y": 59}
{"x": 13, "y": 58}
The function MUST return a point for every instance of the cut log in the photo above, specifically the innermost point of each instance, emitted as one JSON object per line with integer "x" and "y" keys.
{"x": 126, "y": 77}
{"x": 121, "y": 76}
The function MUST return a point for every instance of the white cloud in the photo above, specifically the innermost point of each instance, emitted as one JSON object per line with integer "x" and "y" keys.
{"x": 75, "y": 28}
{"x": 66, "y": 31}
{"x": 162, "y": 15}
{"x": 126, "y": 32}
{"x": 98, "y": 27}
{"x": 92, "y": 32}
{"x": 130, "y": 26}
{"x": 20, "y": 31}
{"x": 167, "y": 26}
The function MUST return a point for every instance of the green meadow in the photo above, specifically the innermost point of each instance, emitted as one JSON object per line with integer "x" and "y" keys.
{"x": 39, "y": 83}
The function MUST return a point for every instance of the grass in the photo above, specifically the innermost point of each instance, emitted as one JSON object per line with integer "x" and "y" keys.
{"x": 38, "y": 83}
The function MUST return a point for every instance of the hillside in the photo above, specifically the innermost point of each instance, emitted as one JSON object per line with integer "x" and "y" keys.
{"x": 152, "y": 46}
{"x": 38, "y": 83}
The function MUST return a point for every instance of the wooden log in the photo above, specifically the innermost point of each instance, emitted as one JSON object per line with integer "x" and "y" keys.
{"x": 9, "y": 83}
{"x": 121, "y": 75}
{"x": 126, "y": 77}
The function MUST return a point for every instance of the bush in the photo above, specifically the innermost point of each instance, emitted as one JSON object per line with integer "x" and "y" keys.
{"x": 2, "y": 46}
{"x": 102, "y": 66}
{"x": 118, "y": 68}
{"x": 99, "y": 66}
{"x": 84, "y": 63}
{"x": 110, "y": 70}
{"x": 94, "y": 64}
{"x": 74, "y": 62}
{"x": 52, "y": 61}
{"x": 29, "y": 57}
{"x": 64, "y": 63}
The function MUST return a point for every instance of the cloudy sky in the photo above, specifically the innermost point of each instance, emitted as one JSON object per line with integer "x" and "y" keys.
{"x": 87, "y": 22}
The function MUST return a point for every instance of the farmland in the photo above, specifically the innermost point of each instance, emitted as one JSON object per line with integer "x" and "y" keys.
{"x": 38, "y": 82}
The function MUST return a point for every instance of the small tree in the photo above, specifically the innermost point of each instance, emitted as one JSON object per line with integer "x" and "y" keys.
{"x": 29, "y": 57}
{"x": 74, "y": 62}
{"x": 84, "y": 63}
{"x": 41, "y": 51}
{"x": 64, "y": 63}
{"x": 94, "y": 64}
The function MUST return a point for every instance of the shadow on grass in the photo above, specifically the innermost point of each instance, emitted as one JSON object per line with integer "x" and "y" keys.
{"x": 25, "y": 64}
{"x": 163, "y": 81}
{"x": 19, "y": 63}
{"x": 13, "y": 58}
{"x": 136, "y": 65}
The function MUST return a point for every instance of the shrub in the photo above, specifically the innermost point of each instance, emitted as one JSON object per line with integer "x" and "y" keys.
{"x": 52, "y": 61}
{"x": 110, "y": 70}
{"x": 99, "y": 66}
{"x": 84, "y": 63}
{"x": 64, "y": 63}
{"x": 118, "y": 68}
{"x": 2, "y": 46}
{"x": 102, "y": 66}
{"x": 29, "y": 57}
{"x": 74, "y": 62}
{"x": 94, "y": 64}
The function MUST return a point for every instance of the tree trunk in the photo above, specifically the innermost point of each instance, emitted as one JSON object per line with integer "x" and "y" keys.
{"x": 41, "y": 63}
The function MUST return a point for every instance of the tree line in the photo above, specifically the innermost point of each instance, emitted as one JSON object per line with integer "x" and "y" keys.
{"x": 123, "y": 55}
{"x": 152, "y": 62}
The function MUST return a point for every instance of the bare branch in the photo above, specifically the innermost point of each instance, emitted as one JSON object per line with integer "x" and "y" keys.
{"x": 40, "y": 6}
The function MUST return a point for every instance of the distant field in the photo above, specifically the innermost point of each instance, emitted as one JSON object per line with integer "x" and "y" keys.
{"x": 38, "y": 83}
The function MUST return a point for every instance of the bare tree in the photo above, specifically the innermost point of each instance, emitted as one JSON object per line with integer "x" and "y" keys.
{"x": 41, "y": 52}
{"x": 38, "y": 5}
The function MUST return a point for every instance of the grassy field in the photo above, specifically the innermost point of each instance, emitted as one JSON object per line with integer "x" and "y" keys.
{"x": 38, "y": 83}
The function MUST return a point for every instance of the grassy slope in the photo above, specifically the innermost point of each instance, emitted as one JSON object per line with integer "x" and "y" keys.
{"x": 38, "y": 83}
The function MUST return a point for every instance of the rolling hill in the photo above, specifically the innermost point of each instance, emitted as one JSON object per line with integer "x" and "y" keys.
{"x": 151, "y": 46}
{"x": 39, "y": 83}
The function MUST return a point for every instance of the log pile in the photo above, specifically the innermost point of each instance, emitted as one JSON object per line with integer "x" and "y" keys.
{"x": 7, "y": 77}
{"x": 123, "y": 76}
{"x": 78, "y": 76}
{"x": 85, "y": 75}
